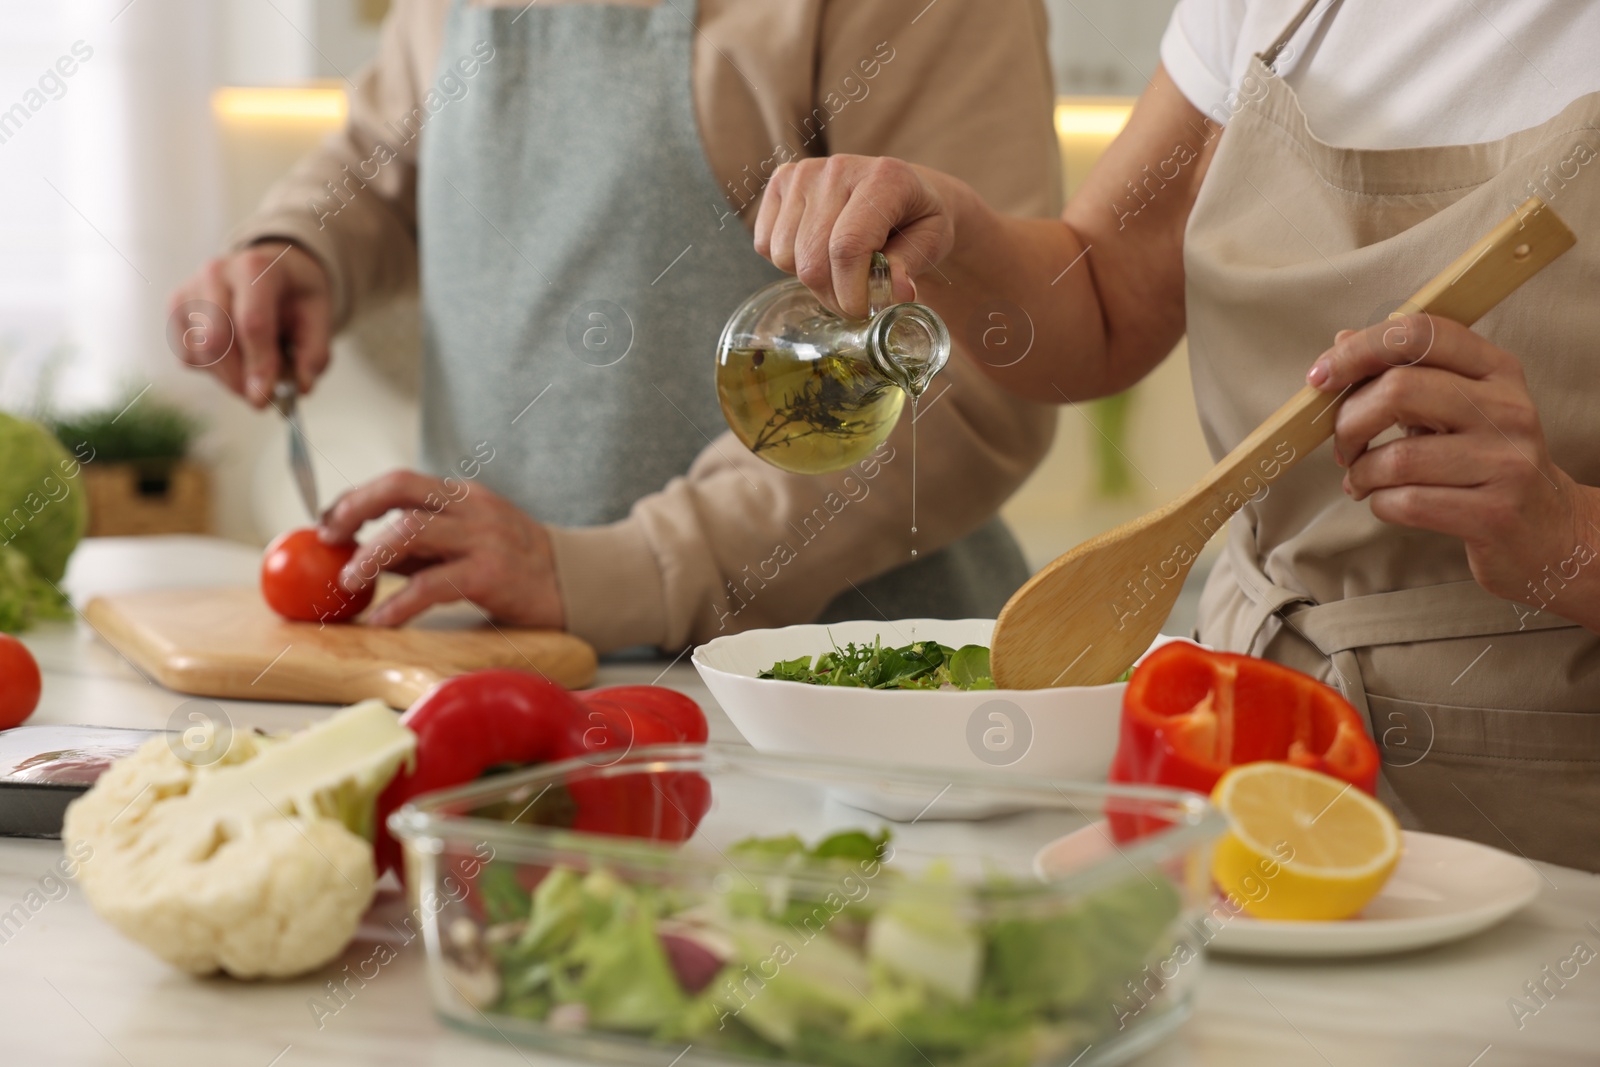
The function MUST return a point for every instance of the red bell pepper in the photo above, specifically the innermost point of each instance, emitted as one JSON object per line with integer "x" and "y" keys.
{"x": 680, "y": 714}
{"x": 655, "y": 806}
{"x": 1189, "y": 714}
{"x": 472, "y": 723}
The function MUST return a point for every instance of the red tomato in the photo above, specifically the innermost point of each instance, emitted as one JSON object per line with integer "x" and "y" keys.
{"x": 300, "y": 579}
{"x": 19, "y": 682}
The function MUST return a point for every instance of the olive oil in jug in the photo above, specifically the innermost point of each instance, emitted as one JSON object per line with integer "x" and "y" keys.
{"x": 811, "y": 392}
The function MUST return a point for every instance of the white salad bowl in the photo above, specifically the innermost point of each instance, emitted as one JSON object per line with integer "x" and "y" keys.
{"x": 1066, "y": 733}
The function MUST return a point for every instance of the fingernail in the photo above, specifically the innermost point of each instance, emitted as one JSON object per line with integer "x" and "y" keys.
{"x": 1338, "y": 457}
{"x": 1341, "y": 335}
{"x": 1318, "y": 374}
{"x": 350, "y": 580}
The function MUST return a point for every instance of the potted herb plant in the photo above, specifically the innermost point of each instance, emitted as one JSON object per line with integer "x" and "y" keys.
{"x": 136, "y": 470}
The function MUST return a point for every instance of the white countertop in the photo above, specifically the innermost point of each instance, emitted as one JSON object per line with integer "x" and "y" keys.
{"x": 72, "y": 991}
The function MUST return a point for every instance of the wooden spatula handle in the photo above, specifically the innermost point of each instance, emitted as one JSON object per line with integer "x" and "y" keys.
{"x": 1519, "y": 247}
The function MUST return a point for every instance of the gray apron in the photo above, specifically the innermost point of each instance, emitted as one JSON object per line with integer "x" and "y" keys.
{"x": 577, "y": 270}
{"x": 1487, "y": 714}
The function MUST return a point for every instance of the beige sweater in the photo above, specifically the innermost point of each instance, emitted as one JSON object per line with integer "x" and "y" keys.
{"x": 960, "y": 85}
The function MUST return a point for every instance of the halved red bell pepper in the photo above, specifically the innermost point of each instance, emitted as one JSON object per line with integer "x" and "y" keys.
{"x": 472, "y": 723}
{"x": 1189, "y": 714}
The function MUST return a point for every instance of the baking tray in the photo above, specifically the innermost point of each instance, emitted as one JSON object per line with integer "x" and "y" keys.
{"x": 45, "y": 768}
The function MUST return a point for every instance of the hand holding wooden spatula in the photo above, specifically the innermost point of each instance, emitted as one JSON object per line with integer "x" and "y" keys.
{"x": 1064, "y": 626}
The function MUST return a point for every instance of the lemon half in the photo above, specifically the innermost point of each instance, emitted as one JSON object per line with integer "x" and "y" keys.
{"x": 1302, "y": 845}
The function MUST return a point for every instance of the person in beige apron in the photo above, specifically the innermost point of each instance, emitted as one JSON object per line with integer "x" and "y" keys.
{"x": 1486, "y": 710}
{"x": 1486, "y": 707}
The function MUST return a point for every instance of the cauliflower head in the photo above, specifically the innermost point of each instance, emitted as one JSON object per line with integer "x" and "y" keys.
{"x": 254, "y": 864}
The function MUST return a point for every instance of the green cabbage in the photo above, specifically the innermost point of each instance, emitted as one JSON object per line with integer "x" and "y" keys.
{"x": 43, "y": 515}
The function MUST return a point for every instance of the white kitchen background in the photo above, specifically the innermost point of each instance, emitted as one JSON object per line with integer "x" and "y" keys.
{"x": 135, "y": 166}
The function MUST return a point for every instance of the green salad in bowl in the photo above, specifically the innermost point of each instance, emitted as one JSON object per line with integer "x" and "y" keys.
{"x": 787, "y": 927}
{"x": 884, "y": 970}
{"x": 918, "y": 665}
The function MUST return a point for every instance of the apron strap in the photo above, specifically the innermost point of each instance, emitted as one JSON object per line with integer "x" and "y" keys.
{"x": 1266, "y": 597}
{"x": 1430, "y": 613}
{"x": 1403, "y": 616}
{"x": 1266, "y": 601}
{"x": 1270, "y": 54}
{"x": 1269, "y": 600}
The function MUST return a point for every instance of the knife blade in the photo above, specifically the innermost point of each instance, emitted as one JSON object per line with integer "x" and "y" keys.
{"x": 286, "y": 395}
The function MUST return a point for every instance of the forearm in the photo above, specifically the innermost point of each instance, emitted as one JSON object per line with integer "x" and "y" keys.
{"x": 737, "y": 543}
{"x": 368, "y": 251}
{"x": 1012, "y": 282}
{"x": 1102, "y": 289}
{"x": 352, "y": 202}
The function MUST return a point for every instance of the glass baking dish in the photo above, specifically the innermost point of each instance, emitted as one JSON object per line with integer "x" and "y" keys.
{"x": 949, "y": 943}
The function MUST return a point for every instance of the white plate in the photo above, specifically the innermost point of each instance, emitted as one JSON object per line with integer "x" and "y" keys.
{"x": 1443, "y": 889}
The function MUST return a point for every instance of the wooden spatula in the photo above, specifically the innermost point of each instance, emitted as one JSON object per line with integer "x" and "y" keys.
{"x": 1088, "y": 615}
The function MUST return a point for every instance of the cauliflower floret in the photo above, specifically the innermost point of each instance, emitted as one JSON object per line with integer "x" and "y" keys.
{"x": 248, "y": 865}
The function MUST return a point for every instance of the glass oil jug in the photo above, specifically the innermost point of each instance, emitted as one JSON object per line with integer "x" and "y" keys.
{"x": 809, "y": 391}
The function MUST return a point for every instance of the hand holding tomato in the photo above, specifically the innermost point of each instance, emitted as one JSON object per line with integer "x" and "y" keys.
{"x": 300, "y": 578}
{"x": 458, "y": 540}
{"x": 19, "y": 682}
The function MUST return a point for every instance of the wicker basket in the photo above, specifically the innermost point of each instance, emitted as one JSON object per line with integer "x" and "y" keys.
{"x": 147, "y": 498}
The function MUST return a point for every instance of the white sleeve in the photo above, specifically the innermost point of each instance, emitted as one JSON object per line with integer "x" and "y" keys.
{"x": 1198, "y": 51}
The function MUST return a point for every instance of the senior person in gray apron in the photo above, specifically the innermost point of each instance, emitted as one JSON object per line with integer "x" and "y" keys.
{"x": 574, "y": 169}
{"x": 582, "y": 147}
{"x": 1439, "y": 585}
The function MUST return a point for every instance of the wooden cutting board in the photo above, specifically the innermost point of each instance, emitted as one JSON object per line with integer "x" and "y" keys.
{"x": 228, "y": 643}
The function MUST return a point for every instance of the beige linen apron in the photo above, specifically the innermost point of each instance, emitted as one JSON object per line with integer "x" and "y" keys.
{"x": 1487, "y": 713}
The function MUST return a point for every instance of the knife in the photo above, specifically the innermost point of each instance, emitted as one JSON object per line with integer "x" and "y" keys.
{"x": 285, "y": 397}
